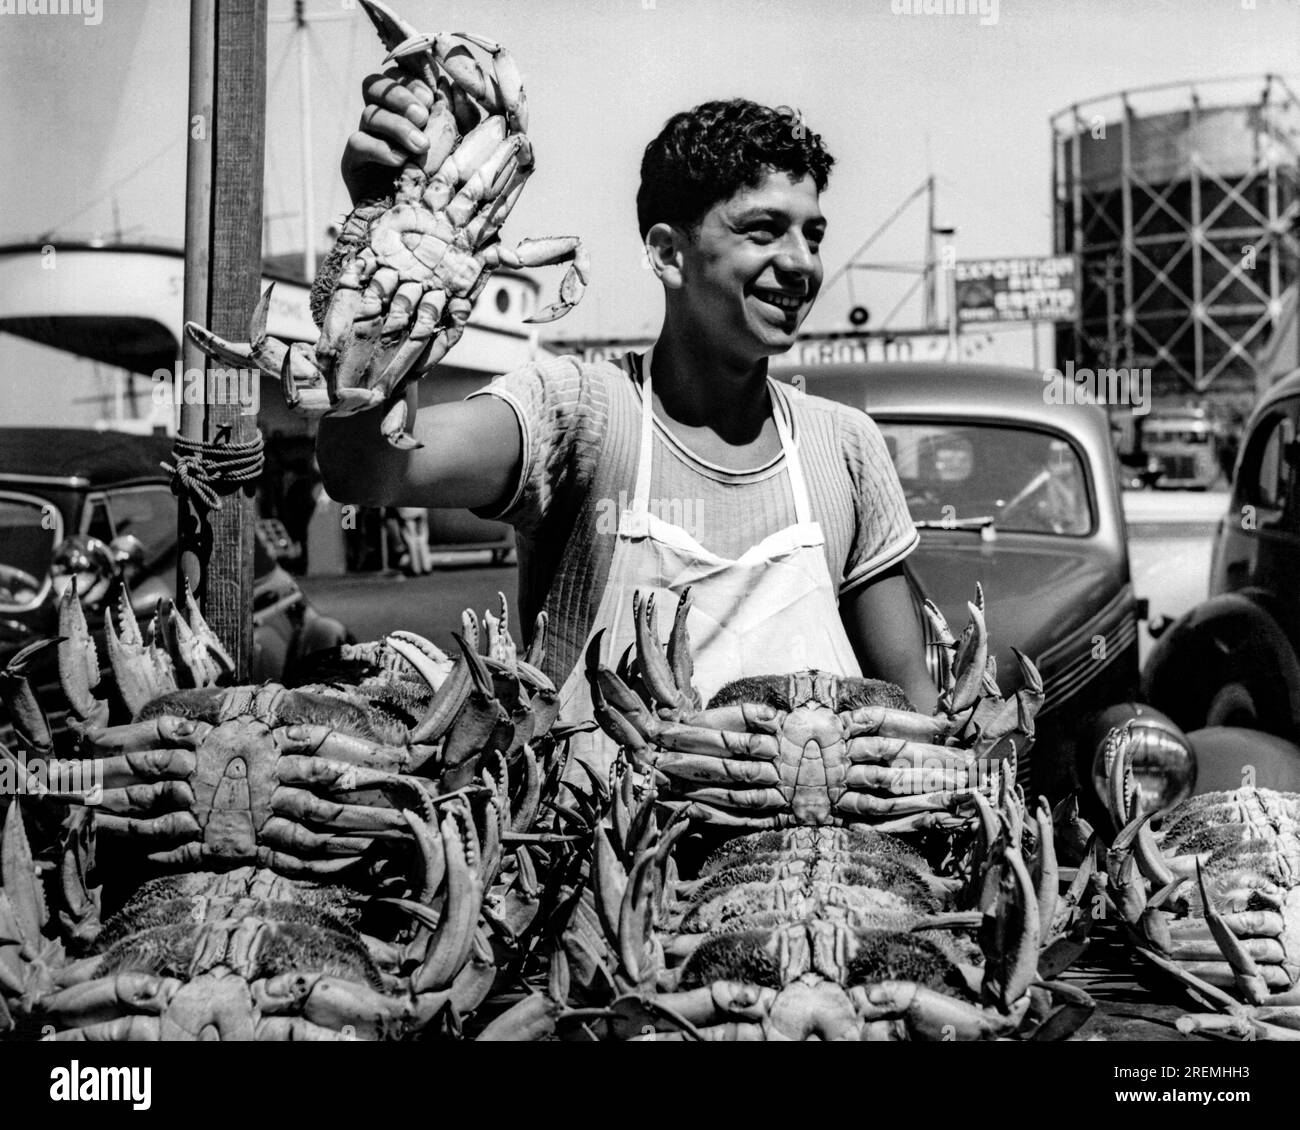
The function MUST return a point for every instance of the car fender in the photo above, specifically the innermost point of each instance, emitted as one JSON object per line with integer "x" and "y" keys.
{"x": 1230, "y": 757}
{"x": 1226, "y": 658}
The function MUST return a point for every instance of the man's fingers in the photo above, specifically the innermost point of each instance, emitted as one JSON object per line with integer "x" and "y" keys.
{"x": 404, "y": 96}
{"x": 399, "y": 132}
{"x": 396, "y": 110}
{"x": 364, "y": 149}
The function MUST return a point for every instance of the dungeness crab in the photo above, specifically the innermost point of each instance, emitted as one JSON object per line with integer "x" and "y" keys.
{"x": 395, "y": 293}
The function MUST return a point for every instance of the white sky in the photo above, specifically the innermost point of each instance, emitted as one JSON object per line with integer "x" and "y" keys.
{"x": 92, "y": 112}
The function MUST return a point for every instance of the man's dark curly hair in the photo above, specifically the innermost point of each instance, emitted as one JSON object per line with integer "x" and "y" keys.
{"x": 709, "y": 153}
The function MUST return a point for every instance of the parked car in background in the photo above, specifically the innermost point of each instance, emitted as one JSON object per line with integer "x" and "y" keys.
{"x": 1182, "y": 449}
{"x": 1023, "y": 497}
{"x": 99, "y": 505}
{"x": 1232, "y": 661}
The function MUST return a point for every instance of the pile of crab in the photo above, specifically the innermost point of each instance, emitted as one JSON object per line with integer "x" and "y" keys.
{"x": 1211, "y": 896}
{"x": 348, "y": 859}
{"x": 868, "y": 872}
{"x": 395, "y": 293}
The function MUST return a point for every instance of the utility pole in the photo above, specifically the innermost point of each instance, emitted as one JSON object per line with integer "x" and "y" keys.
{"x": 223, "y": 240}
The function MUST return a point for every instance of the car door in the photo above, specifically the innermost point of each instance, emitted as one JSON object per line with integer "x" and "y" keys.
{"x": 1259, "y": 551}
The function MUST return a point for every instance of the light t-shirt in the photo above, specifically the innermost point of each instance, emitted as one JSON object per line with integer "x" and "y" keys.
{"x": 580, "y": 425}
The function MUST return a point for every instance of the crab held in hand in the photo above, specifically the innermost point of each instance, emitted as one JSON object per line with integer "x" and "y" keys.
{"x": 395, "y": 293}
{"x": 810, "y": 747}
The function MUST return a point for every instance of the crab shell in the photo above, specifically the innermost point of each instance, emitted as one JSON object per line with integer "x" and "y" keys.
{"x": 1213, "y": 896}
{"x": 802, "y": 933}
{"x": 810, "y": 747}
{"x": 395, "y": 293}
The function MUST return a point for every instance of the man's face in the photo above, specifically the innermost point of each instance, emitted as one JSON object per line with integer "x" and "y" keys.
{"x": 753, "y": 269}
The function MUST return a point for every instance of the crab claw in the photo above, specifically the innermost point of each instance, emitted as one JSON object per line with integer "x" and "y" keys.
{"x": 416, "y": 43}
{"x": 481, "y": 725}
{"x": 203, "y": 632}
{"x": 391, "y": 27}
{"x": 500, "y": 643}
{"x": 30, "y": 723}
{"x": 679, "y": 651}
{"x": 393, "y": 427}
{"x": 219, "y": 349}
{"x": 969, "y": 664}
{"x": 269, "y": 354}
{"x": 21, "y": 893}
{"x": 449, "y": 690}
{"x": 1009, "y": 935}
{"x": 509, "y": 84}
{"x": 1121, "y": 790}
{"x": 572, "y": 287}
{"x": 141, "y": 673}
{"x": 1030, "y": 696}
{"x": 1246, "y": 973}
{"x": 536, "y": 653}
{"x": 654, "y": 667}
{"x": 451, "y": 932}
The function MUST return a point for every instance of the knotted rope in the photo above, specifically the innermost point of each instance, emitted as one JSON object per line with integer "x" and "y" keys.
{"x": 202, "y": 471}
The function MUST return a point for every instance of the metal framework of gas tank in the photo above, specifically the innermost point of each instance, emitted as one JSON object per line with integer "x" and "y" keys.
{"x": 1184, "y": 220}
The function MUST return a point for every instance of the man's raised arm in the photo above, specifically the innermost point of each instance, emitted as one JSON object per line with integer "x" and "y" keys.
{"x": 471, "y": 456}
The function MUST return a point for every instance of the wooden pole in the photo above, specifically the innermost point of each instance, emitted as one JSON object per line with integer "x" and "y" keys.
{"x": 223, "y": 239}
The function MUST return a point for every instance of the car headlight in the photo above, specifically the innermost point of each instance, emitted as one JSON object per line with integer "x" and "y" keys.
{"x": 1164, "y": 766}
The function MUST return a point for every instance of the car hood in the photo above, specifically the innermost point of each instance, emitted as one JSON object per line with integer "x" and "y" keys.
{"x": 1035, "y": 596}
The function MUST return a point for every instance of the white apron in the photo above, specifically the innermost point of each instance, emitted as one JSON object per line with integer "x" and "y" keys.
{"x": 771, "y": 611}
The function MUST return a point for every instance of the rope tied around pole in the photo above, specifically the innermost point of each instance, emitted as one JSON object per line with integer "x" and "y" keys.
{"x": 202, "y": 471}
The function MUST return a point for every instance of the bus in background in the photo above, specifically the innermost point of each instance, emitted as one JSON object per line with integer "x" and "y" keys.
{"x": 1184, "y": 444}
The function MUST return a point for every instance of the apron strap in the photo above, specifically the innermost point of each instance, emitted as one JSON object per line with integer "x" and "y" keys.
{"x": 793, "y": 467}
{"x": 780, "y": 409}
{"x": 641, "y": 492}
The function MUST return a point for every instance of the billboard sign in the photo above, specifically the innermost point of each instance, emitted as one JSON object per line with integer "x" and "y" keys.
{"x": 813, "y": 349}
{"x": 1042, "y": 289}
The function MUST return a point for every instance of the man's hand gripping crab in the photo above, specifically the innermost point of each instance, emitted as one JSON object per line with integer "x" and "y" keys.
{"x": 396, "y": 292}
{"x": 812, "y": 748}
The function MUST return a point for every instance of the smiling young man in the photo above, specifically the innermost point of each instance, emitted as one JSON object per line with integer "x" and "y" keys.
{"x": 798, "y": 525}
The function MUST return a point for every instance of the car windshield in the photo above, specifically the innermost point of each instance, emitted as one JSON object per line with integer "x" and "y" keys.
{"x": 26, "y": 549}
{"x": 1015, "y": 479}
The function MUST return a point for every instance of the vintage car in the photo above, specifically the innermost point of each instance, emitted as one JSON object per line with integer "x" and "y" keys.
{"x": 1022, "y": 496}
{"x": 1182, "y": 448}
{"x": 1234, "y": 660}
{"x": 95, "y": 507}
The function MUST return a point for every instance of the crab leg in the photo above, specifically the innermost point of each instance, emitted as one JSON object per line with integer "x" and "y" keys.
{"x": 870, "y": 721}
{"x": 545, "y": 253}
{"x": 902, "y": 779}
{"x": 144, "y": 799}
{"x": 320, "y": 740}
{"x": 168, "y": 826}
{"x": 934, "y": 1015}
{"x": 302, "y": 805}
{"x": 102, "y": 1000}
{"x": 862, "y": 804}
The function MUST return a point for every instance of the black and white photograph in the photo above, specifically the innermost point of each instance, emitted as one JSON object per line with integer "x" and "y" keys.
{"x": 650, "y": 521}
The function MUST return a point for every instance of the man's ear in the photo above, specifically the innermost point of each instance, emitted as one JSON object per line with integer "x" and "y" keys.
{"x": 664, "y": 245}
